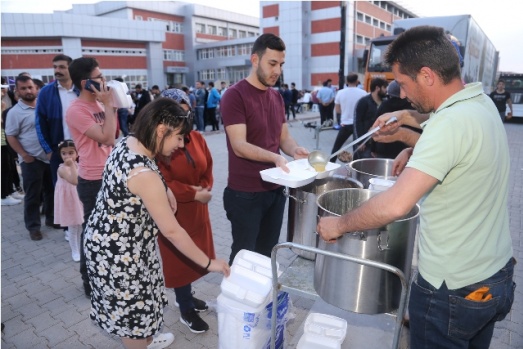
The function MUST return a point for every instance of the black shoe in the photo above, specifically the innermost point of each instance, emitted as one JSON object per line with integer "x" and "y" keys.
{"x": 35, "y": 235}
{"x": 194, "y": 322}
{"x": 199, "y": 305}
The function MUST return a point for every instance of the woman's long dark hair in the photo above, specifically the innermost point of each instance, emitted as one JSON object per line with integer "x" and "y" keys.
{"x": 160, "y": 111}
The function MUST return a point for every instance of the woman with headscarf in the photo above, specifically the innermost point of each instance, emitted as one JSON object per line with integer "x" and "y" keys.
{"x": 188, "y": 173}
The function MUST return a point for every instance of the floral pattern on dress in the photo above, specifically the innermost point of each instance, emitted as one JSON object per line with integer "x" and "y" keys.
{"x": 124, "y": 269}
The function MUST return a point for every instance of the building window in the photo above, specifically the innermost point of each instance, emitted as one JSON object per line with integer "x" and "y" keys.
{"x": 242, "y": 34}
{"x": 222, "y": 74}
{"x": 367, "y": 19}
{"x": 375, "y": 22}
{"x": 222, "y": 31}
{"x": 359, "y": 16}
{"x": 200, "y": 28}
{"x": 211, "y": 29}
{"x": 177, "y": 27}
{"x": 174, "y": 55}
{"x": 207, "y": 75}
{"x": 367, "y": 41}
{"x": 359, "y": 39}
{"x": 138, "y": 18}
{"x": 382, "y": 25}
{"x": 388, "y": 27}
{"x": 232, "y": 34}
{"x": 244, "y": 50}
{"x": 251, "y": 34}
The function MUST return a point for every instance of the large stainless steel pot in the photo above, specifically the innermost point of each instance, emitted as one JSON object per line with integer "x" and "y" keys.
{"x": 352, "y": 286}
{"x": 365, "y": 169}
{"x": 303, "y": 210}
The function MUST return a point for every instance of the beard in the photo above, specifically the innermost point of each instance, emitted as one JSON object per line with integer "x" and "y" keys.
{"x": 263, "y": 79}
{"x": 30, "y": 97}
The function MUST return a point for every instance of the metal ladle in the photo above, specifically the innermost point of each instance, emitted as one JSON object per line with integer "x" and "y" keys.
{"x": 318, "y": 159}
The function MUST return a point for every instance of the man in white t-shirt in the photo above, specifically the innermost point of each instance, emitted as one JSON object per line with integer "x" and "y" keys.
{"x": 345, "y": 104}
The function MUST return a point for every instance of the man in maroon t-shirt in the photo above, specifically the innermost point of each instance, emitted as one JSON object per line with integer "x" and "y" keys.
{"x": 254, "y": 117}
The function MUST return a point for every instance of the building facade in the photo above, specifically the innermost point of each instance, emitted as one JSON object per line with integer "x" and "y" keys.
{"x": 143, "y": 42}
{"x": 174, "y": 43}
{"x": 312, "y": 30}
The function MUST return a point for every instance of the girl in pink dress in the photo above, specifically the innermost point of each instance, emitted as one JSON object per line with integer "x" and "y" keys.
{"x": 68, "y": 209}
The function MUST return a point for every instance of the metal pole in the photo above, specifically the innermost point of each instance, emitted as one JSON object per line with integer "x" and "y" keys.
{"x": 341, "y": 71}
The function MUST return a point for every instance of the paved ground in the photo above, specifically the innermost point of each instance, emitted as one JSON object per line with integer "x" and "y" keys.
{"x": 43, "y": 305}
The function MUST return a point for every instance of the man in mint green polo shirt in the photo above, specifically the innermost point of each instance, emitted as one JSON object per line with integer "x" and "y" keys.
{"x": 459, "y": 172}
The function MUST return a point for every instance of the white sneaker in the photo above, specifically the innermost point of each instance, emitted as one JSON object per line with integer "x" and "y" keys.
{"x": 162, "y": 340}
{"x": 66, "y": 233}
{"x": 76, "y": 257}
{"x": 10, "y": 201}
{"x": 16, "y": 195}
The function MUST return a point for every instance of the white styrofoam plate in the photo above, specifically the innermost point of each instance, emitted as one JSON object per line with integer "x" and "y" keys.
{"x": 300, "y": 173}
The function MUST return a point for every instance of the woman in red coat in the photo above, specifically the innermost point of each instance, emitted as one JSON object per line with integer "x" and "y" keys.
{"x": 188, "y": 173}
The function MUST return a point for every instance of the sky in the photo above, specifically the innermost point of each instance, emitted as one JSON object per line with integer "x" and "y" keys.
{"x": 499, "y": 19}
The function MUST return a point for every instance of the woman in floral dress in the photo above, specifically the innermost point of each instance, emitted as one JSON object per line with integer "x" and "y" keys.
{"x": 133, "y": 205}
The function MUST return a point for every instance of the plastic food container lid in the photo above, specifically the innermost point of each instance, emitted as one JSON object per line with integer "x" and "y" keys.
{"x": 326, "y": 326}
{"x": 300, "y": 173}
{"x": 380, "y": 184}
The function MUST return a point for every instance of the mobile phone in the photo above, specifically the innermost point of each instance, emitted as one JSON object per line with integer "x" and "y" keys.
{"x": 90, "y": 83}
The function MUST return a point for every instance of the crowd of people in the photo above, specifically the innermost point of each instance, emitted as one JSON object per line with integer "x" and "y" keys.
{"x": 118, "y": 196}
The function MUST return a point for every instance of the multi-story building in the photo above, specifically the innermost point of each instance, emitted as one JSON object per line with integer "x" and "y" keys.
{"x": 312, "y": 30}
{"x": 171, "y": 42}
{"x": 144, "y": 42}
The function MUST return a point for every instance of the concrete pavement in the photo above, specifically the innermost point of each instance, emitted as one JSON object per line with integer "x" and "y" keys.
{"x": 43, "y": 305}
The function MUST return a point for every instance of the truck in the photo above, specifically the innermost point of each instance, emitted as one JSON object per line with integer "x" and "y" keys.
{"x": 514, "y": 85}
{"x": 479, "y": 56}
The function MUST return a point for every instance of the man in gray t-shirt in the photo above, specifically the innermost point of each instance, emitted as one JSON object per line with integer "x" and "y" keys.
{"x": 21, "y": 134}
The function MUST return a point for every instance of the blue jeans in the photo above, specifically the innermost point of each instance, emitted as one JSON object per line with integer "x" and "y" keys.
{"x": 256, "y": 219}
{"x": 87, "y": 192}
{"x": 123, "y": 120}
{"x": 37, "y": 180}
{"x": 443, "y": 318}
{"x": 199, "y": 118}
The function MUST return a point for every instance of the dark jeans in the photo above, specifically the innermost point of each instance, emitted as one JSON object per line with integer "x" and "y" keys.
{"x": 211, "y": 116}
{"x": 199, "y": 119}
{"x": 343, "y": 134}
{"x": 288, "y": 109}
{"x": 87, "y": 192}
{"x": 37, "y": 181}
{"x": 326, "y": 112}
{"x": 54, "y": 162}
{"x": 256, "y": 219}
{"x": 8, "y": 172}
{"x": 184, "y": 298}
{"x": 444, "y": 319}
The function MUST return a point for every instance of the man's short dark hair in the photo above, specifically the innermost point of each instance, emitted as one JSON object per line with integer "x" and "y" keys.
{"x": 81, "y": 69}
{"x": 352, "y": 78}
{"x": 266, "y": 41}
{"x": 22, "y": 78}
{"x": 202, "y": 82}
{"x": 378, "y": 82}
{"x": 424, "y": 46}
{"x": 211, "y": 83}
{"x": 501, "y": 80}
{"x": 138, "y": 86}
{"x": 119, "y": 79}
{"x": 155, "y": 87}
{"x": 63, "y": 58}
